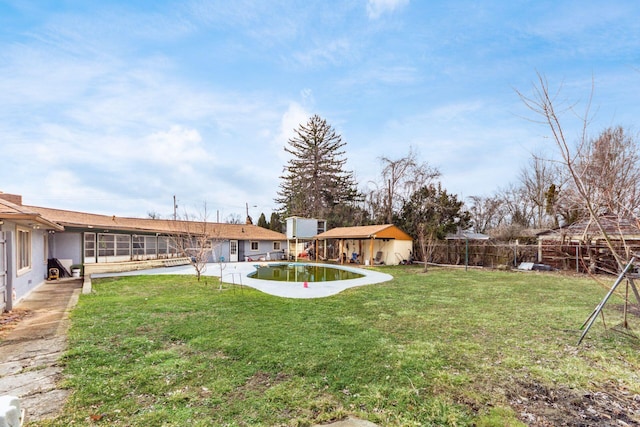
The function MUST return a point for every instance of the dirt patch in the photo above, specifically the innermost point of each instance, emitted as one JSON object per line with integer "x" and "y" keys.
{"x": 9, "y": 320}
{"x": 540, "y": 405}
{"x": 258, "y": 383}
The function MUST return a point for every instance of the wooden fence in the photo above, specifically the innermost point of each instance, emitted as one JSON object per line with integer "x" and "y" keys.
{"x": 570, "y": 256}
{"x": 485, "y": 254}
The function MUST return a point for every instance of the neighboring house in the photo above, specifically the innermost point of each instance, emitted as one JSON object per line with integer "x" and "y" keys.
{"x": 367, "y": 244}
{"x": 32, "y": 235}
{"x": 581, "y": 246}
{"x": 24, "y": 249}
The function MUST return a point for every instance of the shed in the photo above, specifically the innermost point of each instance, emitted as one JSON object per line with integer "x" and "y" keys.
{"x": 369, "y": 244}
{"x": 581, "y": 245}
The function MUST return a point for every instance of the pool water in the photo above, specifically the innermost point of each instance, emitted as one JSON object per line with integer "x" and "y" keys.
{"x": 296, "y": 272}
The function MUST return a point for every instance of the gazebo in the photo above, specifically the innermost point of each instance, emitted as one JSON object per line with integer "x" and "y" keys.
{"x": 466, "y": 235}
{"x": 369, "y": 244}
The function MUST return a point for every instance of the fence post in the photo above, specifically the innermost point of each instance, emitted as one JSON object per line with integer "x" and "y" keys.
{"x": 466, "y": 253}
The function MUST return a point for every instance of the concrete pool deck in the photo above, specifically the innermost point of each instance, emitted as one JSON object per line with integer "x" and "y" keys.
{"x": 237, "y": 272}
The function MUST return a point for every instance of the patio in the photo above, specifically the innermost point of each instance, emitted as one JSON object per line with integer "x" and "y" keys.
{"x": 237, "y": 272}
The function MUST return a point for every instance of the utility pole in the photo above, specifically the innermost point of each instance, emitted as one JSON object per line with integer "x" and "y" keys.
{"x": 175, "y": 208}
{"x": 249, "y": 220}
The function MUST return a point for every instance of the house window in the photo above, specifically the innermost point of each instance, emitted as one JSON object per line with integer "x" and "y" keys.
{"x": 123, "y": 245}
{"x": 276, "y": 246}
{"x": 166, "y": 246}
{"x": 138, "y": 245}
{"x": 150, "y": 243}
{"x": 24, "y": 249}
{"x": 45, "y": 246}
{"x": 106, "y": 244}
{"x": 89, "y": 245}
{"x": 254, "y": 246}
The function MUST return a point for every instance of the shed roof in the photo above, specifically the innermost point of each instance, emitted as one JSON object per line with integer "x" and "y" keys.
{"x": 105, "y": 222}
{"x": 613, "y": 225}
{"x": 385, "y": 231}
{"x": 467, "y": 235}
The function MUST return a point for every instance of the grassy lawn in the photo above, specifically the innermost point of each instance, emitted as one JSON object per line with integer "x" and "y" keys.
{"x": 450, "y": 347}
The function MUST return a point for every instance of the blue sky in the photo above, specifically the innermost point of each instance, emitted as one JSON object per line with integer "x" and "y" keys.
{"x": 113, "y": 107}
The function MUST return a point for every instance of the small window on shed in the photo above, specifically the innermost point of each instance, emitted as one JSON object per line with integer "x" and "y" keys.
{"x": 254, "y": 246}
{"x": 276, "y": 246}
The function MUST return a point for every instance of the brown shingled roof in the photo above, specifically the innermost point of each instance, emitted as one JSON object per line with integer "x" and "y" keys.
{"x": 385, "y": 231}
{"x": 22, "y": 214}
{"x": 613, "y": 225}
{"x": 105, "y": 222}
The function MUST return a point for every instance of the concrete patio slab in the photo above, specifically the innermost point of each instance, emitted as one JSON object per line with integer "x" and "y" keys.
{"x": 237, "y": 273}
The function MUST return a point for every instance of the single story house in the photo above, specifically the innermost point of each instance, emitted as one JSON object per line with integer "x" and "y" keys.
{"x": 367, "y": 244}
{"x": 91, "y": 238}
{"x": 32, "y": 235}
{"x": 24, "y": 248}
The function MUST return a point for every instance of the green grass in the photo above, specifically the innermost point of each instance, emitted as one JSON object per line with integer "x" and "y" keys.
{"x": 450, "y": 347}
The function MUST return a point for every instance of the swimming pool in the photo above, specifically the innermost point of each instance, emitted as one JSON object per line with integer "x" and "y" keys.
{"x": 237, "y": 273}
{"x": 302, "y": 272}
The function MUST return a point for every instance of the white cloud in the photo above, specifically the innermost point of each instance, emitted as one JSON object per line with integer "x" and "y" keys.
{"x": 176, "y": 146}
{"x": 291, "y": 119}
{"x": 331, "y": 52}
{"x": 376, "y": 8}
{"x": 131, "y": 105}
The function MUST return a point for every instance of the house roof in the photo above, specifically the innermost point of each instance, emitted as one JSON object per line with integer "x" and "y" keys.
{"x": 25, "y": 216}
{"x": 72, "y": 219}
{"x": 385, "y": 231}
{"x": 613, "y": 225}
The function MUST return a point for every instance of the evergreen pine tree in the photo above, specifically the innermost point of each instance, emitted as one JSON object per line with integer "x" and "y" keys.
{"x": 275, "y": 223}
{"x": 315, "y": 182}
{"x": 262, "y": 221}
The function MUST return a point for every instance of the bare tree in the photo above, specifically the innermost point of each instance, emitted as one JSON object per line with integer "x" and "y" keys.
{"x": 516, "y": 208}
{"x": 609, "y": 167}
{"x": 153, "y": 215}
{"x": 543, "y": 104}
{"x": 604, "y": 178}
{"x": 373, "y": 202}
{"x": 192, "y": 240}
{"x": 485, "y": 213}
{"x": 401, "y": 178}
{"x": 234, "y": 218}
{"x": 536, "y": 179}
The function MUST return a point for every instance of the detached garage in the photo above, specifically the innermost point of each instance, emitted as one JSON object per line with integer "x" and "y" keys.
{"x": 367, "y": 244}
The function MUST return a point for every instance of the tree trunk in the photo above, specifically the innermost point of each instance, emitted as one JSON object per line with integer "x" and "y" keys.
{"x": 423, "y": 250}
